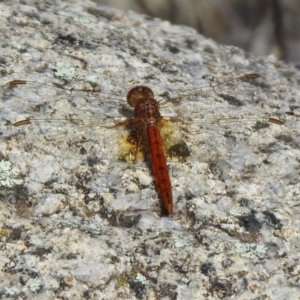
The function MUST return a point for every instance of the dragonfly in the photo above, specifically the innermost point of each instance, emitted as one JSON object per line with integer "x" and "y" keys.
{"x": 149, "y": 134}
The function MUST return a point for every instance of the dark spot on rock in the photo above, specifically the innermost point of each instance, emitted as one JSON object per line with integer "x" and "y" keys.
{"x": 208, "y": 269}
{"x": 221, "y": 288}
{"x": 260, "y": 125}
{"x": 41, "y": 251}
{"x": 250, "y": 223}
{"x": 173, "y": 49}
{"x": 231, "y": 100}
{"x": 272, "y": 220}
{"x": 16, "y": 233}
{"x": 138, "y": 288}
{"x": 128, "y": 221}
{"x": 244, "y": 202}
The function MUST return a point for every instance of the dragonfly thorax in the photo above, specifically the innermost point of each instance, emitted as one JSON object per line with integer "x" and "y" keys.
{"x": 147, "y": 109}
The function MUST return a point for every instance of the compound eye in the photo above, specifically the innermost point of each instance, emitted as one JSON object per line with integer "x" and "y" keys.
{"x": 137, "y": 93}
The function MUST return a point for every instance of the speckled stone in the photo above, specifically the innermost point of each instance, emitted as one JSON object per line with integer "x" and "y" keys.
{"x": 76, "y": 223}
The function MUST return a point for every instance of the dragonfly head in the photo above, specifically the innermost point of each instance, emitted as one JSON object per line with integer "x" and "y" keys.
{"x": 137, "y": 93}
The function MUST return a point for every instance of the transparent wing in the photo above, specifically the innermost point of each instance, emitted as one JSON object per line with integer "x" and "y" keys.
{"x": 222, "y": 109}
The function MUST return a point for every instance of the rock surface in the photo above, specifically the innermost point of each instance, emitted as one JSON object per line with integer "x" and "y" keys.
{"x": 76, "y": 223}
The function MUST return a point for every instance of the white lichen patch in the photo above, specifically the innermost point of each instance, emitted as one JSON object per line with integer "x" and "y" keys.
{"x": 9, "y": 174}
{"x": 64, "y": 71}
{"x": 250, "y": 250}
{"x": 10, "y": 291}
{"x": 141, "y": 278}
{"x": 34, "y": 284}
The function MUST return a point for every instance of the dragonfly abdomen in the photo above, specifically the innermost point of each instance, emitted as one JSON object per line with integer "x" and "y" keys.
{"x": 160, "y": 168}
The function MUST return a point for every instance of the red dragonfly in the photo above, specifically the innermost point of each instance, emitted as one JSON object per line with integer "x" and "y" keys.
{"x": 145, "y": 127}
